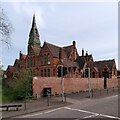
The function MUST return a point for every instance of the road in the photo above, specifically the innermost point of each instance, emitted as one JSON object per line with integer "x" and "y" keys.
{"x": 88, "y": 108}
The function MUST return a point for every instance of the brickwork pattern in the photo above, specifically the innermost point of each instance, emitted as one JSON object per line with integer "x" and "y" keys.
{"x": 70, "y": 84}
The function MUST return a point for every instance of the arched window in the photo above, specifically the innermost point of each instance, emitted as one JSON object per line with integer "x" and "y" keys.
{"x": 41, "y": 60}
{"x": 48, "y": 57}
{"x": 45, "y": 59}
{"x": 45, "y": 72}
{"x": 41, "y": 73}
{"x": 48, "y": 72}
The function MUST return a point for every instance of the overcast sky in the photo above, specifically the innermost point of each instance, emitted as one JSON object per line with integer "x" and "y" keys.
{"x": 93, "y": 25}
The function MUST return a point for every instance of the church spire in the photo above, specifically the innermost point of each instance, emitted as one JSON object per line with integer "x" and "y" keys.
{"x": 34, "y": 35}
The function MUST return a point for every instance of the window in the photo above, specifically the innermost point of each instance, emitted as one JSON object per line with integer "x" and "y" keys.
{"x": 41, "y": 59}
{"x": 93, "y": 74}
{"x": 48, "y": 72}
{"x": 99, "y": 74}
{"x": 76, "y": 74}
{"x": 44, "y": 72}
{"x": 48, "y": 59}
{"x": 45, "y": 59}
{"x": 41, "y": 73}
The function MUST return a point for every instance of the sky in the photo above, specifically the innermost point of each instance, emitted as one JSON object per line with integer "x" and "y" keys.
{"x": 93, "y": 25}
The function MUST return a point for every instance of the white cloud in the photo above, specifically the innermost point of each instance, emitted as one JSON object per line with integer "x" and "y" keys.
{"x": 52, "y": 7}
{"x": 28, "y": 9}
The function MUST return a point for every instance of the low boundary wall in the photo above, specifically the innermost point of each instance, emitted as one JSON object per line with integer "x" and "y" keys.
{"x": 70, "y": 84}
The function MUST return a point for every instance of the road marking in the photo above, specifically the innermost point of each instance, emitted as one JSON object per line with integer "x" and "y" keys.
{"x": 91, "y": 116}
{"x": 79, "y": 110}
{"x": 68, "y": 108}
{"x": 31, "y": 115}
{"x": 108, "y": 116}
{"x": 111, "y": 96}
{"x": 94, "y": 114}
{"x": 53, "y": 110}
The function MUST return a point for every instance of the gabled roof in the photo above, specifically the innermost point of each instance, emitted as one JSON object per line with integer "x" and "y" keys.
{"x": 16, "y": 61}
{"x": 81, "y": 61}
{"x": 54, "y": 49}
{"x": 24, "y": 56}
{"x": 68, "y": 50}
{"x": 11, "y": 68}
{"x": 68, "y": 63}
{"x": 101, "y": 64}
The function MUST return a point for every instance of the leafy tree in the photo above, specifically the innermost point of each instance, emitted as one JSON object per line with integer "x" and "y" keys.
{"x": 5, "y": 28}
{"x": 22, "y": 87}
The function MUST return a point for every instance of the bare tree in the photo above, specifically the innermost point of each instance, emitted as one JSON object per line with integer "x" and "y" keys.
{"x": 5, "y": 28}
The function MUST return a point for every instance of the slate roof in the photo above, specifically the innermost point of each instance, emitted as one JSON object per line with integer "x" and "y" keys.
{"x": 55, "y": 50}
{"x": 68, "y": 50}
{"x": 17, "y": 62}
{"x": 11, "y": 68}
{"x": 68, "y": 63}
{"x": 100, "y": 64}
{"x": 81, "y": 61}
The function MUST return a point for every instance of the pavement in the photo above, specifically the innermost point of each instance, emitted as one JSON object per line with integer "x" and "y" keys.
{"x": 55, "y": 102}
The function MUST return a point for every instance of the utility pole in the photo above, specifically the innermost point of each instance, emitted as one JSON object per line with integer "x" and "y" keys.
{"x": 60, "y": 75}
{"x": 62, "y": 84}
{"x": 89, "y": 82}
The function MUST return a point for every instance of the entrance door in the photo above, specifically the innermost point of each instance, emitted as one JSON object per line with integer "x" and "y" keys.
{"x": 105, "y": 82}
{"x": 46, "y": 91}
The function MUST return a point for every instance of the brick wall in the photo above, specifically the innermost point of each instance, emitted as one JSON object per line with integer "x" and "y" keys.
{"x": 70, "y": 84}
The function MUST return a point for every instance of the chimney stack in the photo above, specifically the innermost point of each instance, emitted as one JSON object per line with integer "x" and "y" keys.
{"x": 82, "y": 52}
{"x": 74, "y": 44}
{"x": 87, "y": 56}
{"x": 20, "y": 54}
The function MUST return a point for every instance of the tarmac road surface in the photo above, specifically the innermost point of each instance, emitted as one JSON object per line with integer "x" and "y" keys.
{"x": 89, "y": 108}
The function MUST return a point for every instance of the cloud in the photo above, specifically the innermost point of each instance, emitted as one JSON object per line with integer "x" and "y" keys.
{"x": 29, "y": 9}
{"x": 52, "y": 7}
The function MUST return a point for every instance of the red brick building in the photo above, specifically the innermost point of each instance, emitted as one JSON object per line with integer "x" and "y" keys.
{"x": 42, "y": 61}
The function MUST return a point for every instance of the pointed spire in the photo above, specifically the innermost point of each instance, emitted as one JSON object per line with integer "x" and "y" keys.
{"x": 34, "y": 34}
{"x": 34, "y": 22}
